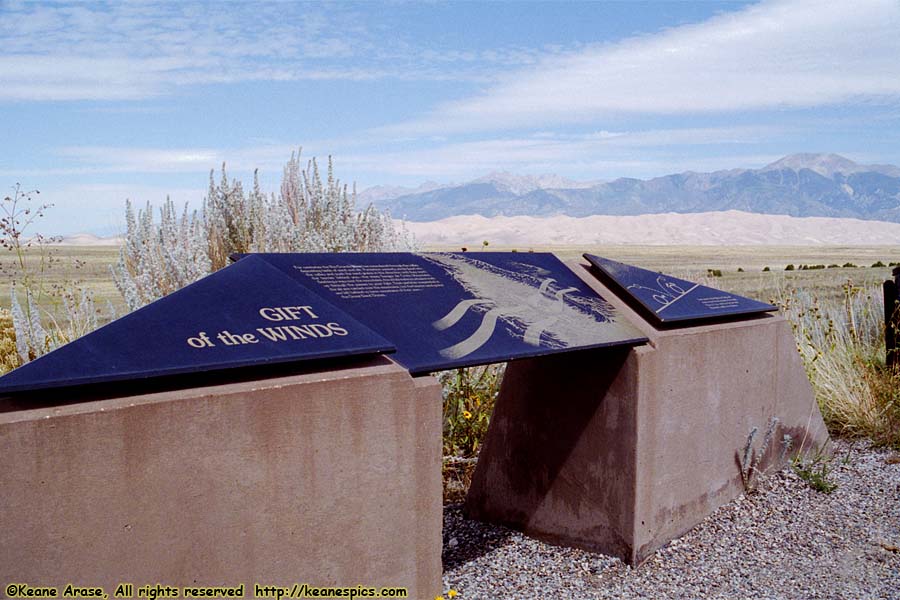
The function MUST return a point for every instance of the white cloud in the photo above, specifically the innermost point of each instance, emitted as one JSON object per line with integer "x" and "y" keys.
{"x": 111, "y": 159}
{"x": 118, "y": 159}
{"x": 133, "y": 50}
{"x": 40, "y": 77}
{"x": 602, "y": 153}
{"x": 540, "y": 152}
{"x": 778, "y": 54}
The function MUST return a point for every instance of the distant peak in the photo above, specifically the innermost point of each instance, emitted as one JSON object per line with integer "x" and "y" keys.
{"x": 522, "y": 184}
{"x": 829, "y": 164}
{"x": 823, "y": 164}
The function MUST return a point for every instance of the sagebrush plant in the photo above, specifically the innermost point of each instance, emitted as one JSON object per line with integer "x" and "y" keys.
{"x": 161, "y": 255}
{"x": 842, "y": 346}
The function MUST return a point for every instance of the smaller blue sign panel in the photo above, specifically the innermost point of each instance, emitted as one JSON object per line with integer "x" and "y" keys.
{"x": 249, "y": 313}
{"x": 666, "y": 299}
{"x": 448, "y": 310}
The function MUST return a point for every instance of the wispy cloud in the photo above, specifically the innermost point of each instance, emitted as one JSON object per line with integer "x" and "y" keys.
{"x": 539, "y": 152}
{"x": 134, "y": 50}
{"x": 774, "y": 55}
{"x": 602, "y": 153}
{"x": 96, "y": 160}
{"x": 115, "y": 159}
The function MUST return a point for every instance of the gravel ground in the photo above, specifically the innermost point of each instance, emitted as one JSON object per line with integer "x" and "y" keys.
{"x": 784, "y": 541}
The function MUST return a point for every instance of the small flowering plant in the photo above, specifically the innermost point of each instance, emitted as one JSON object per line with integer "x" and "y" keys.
{"x": 469, "y": 396}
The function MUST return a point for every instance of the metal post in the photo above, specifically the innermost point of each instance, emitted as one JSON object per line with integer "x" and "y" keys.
{"x": 892, "y": 318}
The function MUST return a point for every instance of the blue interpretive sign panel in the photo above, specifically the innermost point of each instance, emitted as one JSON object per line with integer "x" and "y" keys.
{"x": 249, "y": 313}
{"x": 447, "y": 310}
{"x": 666, "y": 299}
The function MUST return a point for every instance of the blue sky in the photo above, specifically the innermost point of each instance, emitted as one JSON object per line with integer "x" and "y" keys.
{"x": 105, "y": 101}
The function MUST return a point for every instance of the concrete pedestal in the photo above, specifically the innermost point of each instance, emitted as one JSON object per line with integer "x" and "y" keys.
{"x": 330, "y": 479}
{"x": 619, "y": 451}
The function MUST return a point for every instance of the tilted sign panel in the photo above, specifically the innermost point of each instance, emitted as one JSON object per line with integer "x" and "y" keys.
{"x": 249, "y": 313}
{"x": 447, "y": 310}
{"x": 667, "y": 299}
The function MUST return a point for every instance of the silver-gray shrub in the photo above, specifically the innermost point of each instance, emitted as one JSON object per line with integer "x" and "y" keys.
{"x": 31, "y": 338}
{"x": 69, "y": 314}
{"x": 159, "y": 256}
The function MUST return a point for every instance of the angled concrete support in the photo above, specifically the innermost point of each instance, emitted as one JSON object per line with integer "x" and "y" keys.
{"x": 621, "y": 451}
{"x": 296, "y": 479}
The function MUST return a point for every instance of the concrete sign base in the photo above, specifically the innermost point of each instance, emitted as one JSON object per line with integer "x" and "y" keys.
{"x": 330, "y": 478}
{"x": 621, "y": 450}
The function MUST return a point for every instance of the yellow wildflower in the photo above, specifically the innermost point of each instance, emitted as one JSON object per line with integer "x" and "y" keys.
{"x": 467, "y": 414}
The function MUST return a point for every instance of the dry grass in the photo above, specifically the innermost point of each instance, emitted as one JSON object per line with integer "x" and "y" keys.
{"x": 457, "y": 475}
{"x": 85, "y": 265}
{"x": 842, "y": 345}
{"x": 688, "y": 261}
{"x": 692, "y": 262}
{"x": 8, "y": 355}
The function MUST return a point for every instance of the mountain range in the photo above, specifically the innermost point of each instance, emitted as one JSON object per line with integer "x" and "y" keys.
{"x": 800, "y": 185}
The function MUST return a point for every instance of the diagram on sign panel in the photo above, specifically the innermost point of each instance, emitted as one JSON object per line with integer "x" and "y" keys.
{"x": 665, "y": 294}
{"x": 530, "y": 306}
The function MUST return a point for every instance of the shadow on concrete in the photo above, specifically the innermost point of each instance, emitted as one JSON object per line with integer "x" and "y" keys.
{"x": 537, "y": 453}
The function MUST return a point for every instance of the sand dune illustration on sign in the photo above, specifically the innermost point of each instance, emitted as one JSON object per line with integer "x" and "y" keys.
{"x": 533, "y": 308}
{"x": 665, "y": 293}
{"x": 667, "y": 299}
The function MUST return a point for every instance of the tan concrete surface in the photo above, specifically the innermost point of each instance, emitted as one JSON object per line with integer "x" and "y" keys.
{"x": 620, "y": 452}
{"x": 330, "y": 479}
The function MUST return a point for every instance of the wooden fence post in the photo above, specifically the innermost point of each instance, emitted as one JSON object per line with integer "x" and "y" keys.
{"x": 892, "y": 318}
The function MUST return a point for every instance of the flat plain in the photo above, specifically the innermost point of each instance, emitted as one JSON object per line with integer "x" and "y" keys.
{"x": 698, "y": 262}
{"x": 90, "y": 266}
{"x": 86, "y": 266}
